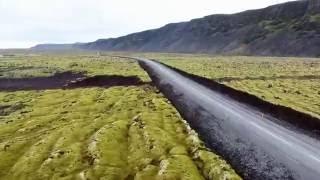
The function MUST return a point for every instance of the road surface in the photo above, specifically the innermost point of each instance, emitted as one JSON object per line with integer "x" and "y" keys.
{"x": 255, "y": 144}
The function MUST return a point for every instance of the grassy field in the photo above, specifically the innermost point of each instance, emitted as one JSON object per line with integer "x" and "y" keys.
{"x": 292, "y": 82}
{"x": 90, "y": 133}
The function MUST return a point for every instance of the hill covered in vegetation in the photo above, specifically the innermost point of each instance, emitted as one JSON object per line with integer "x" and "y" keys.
{"x": 289, "y": 29}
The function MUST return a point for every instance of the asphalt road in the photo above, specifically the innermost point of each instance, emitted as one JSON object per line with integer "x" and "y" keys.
{"x": 255, "y": 144}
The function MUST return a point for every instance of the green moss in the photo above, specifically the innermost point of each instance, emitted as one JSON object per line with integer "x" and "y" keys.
{"x": 47, "y": 65}
{"x": 275, "y": 25}
{"x": 254, "y": 74}
{"x": 115, "y": 133}
{"x": 95, "y": 133}
{"x": 315, "y": 18}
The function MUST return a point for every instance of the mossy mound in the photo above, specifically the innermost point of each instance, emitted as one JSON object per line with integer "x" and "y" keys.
{"x": 95, "y": 133}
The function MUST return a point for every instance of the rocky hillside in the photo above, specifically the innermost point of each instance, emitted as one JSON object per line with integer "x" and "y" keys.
{"x": 289, "y": 29}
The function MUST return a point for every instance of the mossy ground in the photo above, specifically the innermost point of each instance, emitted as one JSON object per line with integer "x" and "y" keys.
{"x": 292, "y": 82}
{"x": 115, "y": 133}
{"x": 47, "y": 65}
{"x": 96, "y": 133}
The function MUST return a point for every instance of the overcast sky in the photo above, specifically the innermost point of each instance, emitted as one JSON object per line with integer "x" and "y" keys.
{"x": 24, "y": 23}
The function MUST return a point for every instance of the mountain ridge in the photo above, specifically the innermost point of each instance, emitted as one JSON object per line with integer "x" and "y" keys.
{"x": 287, "y": 29}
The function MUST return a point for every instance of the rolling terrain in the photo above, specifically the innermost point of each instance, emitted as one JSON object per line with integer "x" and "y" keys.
{"x": 113, "y": 97}
{"x": 88, "y": 117}
{"x": 222, "y": 97}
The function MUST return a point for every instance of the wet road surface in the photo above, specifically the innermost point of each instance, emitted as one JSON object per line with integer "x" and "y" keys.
{"x": 255, "y": 144}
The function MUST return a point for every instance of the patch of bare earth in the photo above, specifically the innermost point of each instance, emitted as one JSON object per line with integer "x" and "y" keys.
{"x": 67, "y": 80}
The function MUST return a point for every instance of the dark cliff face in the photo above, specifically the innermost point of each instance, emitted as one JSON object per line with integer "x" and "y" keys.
{"x": 289, "y": 29}
{"x": 314, "y": 6}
